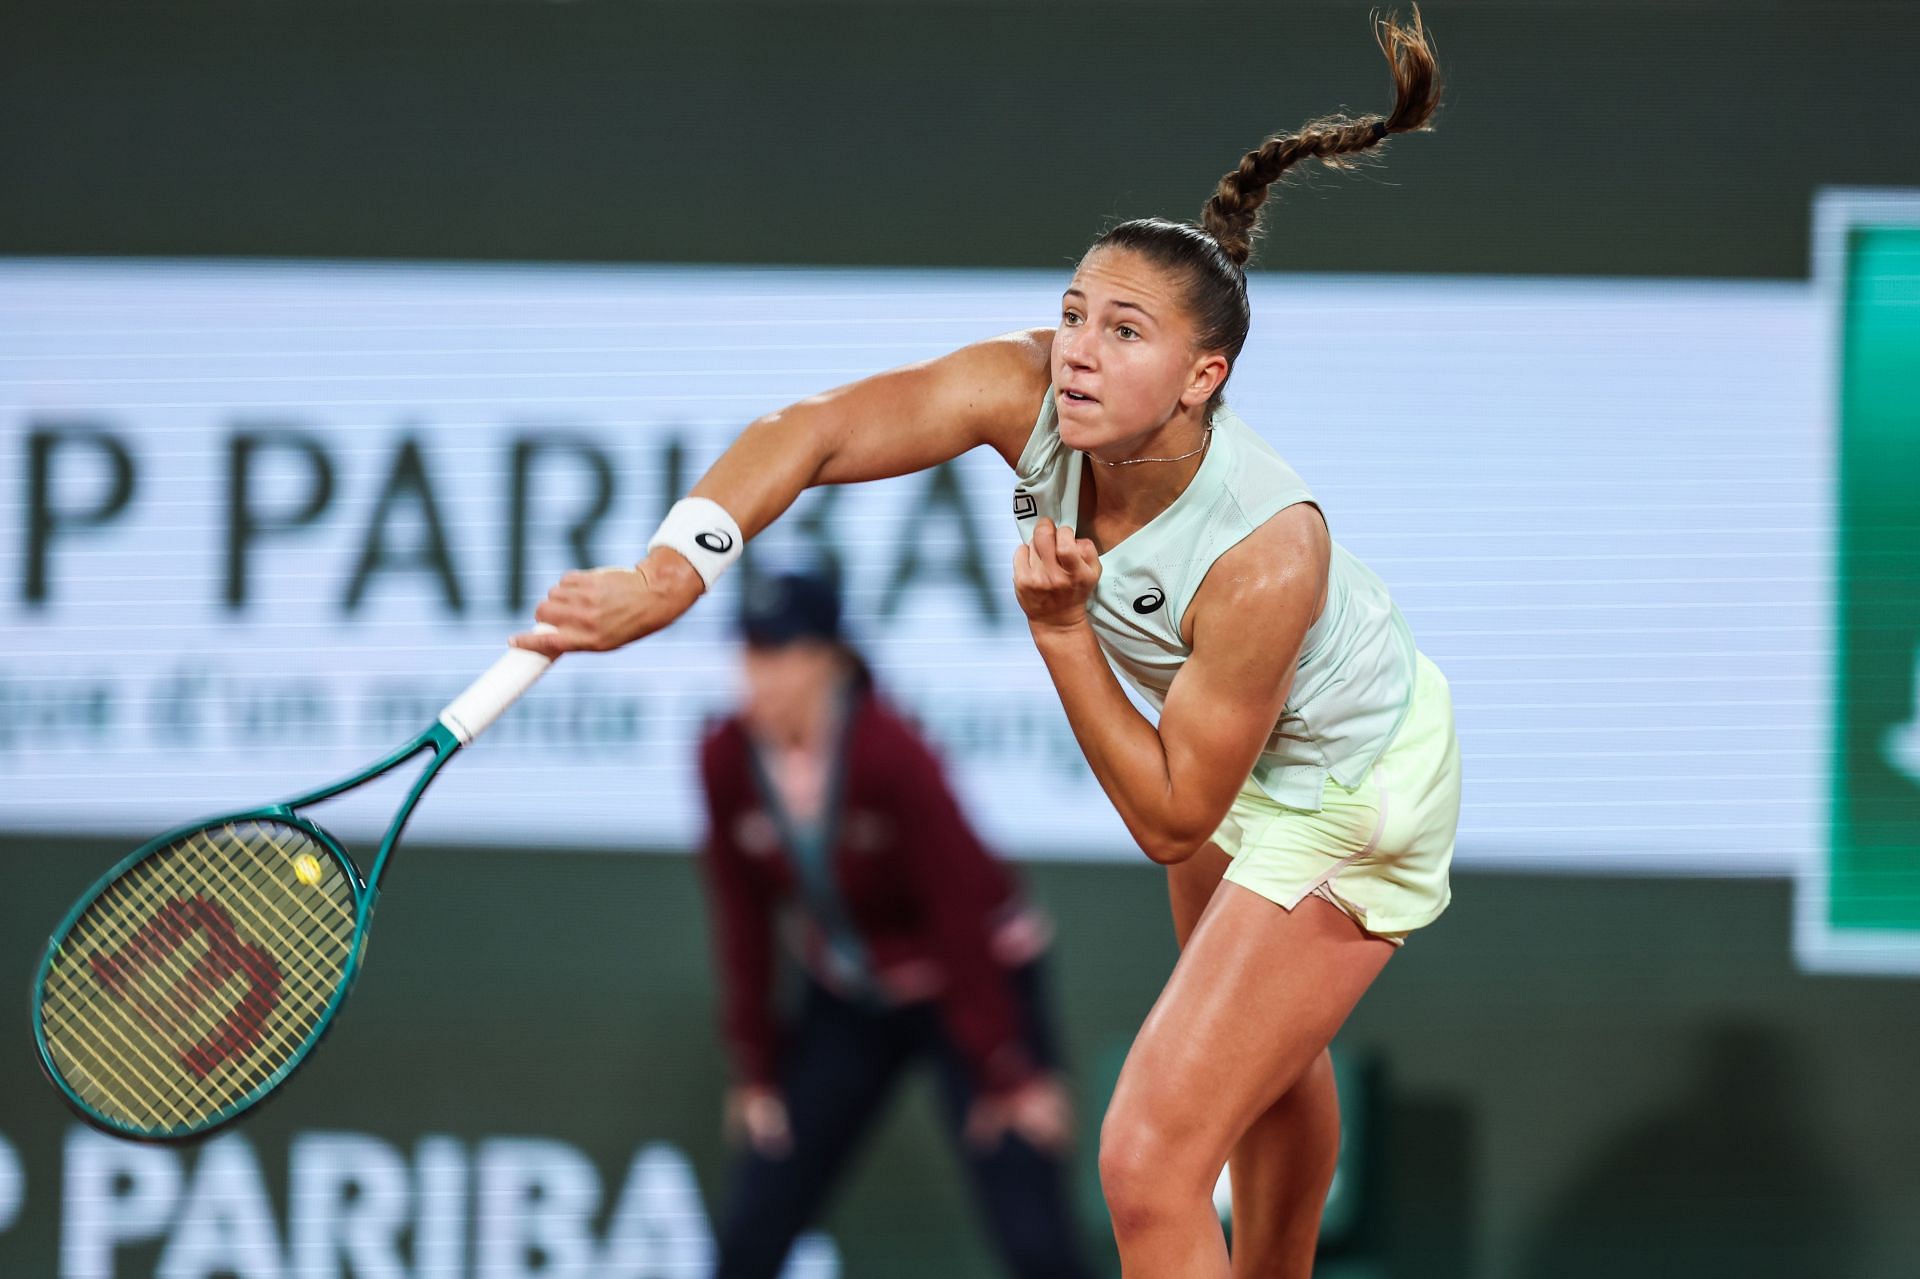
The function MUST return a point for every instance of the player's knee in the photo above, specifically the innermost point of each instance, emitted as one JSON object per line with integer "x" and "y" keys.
{"x": 1140, "y": 1170}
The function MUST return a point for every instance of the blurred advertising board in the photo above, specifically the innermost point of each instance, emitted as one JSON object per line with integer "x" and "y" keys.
{"x": 260, "y": 520}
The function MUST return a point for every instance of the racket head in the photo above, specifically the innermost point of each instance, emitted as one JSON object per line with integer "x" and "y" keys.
{"x": 196, "y": 975}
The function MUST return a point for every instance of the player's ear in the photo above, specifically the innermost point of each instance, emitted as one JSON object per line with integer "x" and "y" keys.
{"x": 1209, "y": 371}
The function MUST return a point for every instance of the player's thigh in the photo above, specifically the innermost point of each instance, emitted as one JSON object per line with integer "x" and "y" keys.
{"x": 1258, "y": 992}
{"x": 1190, "y": 886}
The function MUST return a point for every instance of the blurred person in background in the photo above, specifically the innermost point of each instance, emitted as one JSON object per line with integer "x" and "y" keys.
{"x": 831, "y": 828}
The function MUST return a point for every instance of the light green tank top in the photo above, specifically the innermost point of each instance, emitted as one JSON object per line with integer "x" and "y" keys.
{"x": 1355, "y": 676}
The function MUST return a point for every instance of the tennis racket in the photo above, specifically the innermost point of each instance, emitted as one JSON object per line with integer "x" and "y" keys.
{"x": 191, "y": 980}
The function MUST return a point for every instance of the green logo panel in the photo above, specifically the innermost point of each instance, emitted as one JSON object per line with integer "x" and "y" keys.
{"x": 1862, "y": 910}
{"x": 1876, "y": 836}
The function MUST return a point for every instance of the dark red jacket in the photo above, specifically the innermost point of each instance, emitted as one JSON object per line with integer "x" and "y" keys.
{"x": 922, "y": 893}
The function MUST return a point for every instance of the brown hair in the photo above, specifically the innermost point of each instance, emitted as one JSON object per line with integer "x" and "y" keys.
{"x": 1213, "y": 256}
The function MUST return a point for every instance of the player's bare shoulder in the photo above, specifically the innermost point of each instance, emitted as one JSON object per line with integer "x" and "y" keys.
{"x": 1275, "y": 577}
{"x": 1012, "y": 373}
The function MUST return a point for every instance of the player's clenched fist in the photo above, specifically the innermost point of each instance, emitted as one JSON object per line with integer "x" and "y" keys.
{"x": 1054, "y": 576}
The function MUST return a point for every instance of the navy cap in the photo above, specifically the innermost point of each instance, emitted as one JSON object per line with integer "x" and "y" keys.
{"x": 780, "y": 608}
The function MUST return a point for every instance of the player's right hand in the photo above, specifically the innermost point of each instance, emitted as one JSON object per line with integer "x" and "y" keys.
{"x": 1054, "y": 575}
{"x": 758, "y": 1115}
{"x": 593, "y": 610}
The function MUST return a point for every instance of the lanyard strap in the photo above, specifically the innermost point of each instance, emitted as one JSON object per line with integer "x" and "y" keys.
{"x": 811, "y": 845}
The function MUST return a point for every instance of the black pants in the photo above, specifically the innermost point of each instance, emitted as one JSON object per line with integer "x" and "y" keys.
{"x": 842, "y": 1062}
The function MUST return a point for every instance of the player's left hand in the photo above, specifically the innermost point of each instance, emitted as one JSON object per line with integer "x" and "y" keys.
{"x": 1054, "y": 576}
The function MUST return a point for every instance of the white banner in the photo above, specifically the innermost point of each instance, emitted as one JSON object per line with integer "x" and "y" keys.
{"x": 260, "y": 521}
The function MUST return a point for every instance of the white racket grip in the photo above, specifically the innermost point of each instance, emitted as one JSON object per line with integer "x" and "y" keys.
{"x": 487, "y": 698}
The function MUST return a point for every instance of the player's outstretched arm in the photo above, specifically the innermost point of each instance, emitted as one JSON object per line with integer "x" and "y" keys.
{"x": 904, "y": 420}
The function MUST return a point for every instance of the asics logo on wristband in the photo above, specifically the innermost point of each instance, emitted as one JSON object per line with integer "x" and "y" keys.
{"x": 1150, "y": 602}
{"x": 700, "y": 529}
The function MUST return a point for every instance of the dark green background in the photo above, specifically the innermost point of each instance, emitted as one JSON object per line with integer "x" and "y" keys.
{"x": 1636, "y": 137}
{"x": 1583, "y": 1077}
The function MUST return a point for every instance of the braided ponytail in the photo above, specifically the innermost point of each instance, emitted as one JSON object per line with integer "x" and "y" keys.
{"x": 1213, "y": 255}
{"x": 1232, "y": 216}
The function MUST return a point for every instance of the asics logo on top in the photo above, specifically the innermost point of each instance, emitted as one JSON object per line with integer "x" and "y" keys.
{"x": 1150, "y": 602}
{"x": 716, "y": 540}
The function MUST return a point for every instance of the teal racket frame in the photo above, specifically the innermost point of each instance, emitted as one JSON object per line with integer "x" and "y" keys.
{"x": 441, "y": 741}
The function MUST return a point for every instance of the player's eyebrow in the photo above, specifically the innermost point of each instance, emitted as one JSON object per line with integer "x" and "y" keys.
{"x": 1075, "y": 293}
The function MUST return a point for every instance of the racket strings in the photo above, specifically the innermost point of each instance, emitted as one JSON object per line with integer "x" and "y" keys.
{"x": 233, "y": 956}
{"x": 139, "y": 1056}
{"x": 180, "y": 975}
{"x": 176, "y": 971}
{"x": 175, "y": 967}
{"x": 283, "y": 929}
{"x": 311, "y": 998}
{"x": 191, "y": 981}
{"x": 135, "y": 1053}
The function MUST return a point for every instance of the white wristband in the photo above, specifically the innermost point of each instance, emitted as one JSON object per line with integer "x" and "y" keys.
{"x": 700, "y": 529}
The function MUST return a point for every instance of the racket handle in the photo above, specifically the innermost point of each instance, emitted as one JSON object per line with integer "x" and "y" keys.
{"x": 487, "y": 698}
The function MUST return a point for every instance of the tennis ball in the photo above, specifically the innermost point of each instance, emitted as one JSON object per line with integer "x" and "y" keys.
{"x": 306, "y": 868}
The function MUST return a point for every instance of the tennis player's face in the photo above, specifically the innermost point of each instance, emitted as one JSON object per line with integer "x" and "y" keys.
{"x": 1124, "y": 362}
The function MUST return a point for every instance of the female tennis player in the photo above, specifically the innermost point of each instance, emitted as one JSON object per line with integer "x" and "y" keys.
{"x": 1302, "y": 782}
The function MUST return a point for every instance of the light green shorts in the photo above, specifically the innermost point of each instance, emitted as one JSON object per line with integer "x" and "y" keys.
{"x": 1379, "y": 852}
